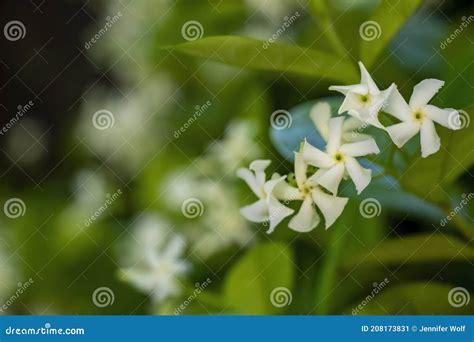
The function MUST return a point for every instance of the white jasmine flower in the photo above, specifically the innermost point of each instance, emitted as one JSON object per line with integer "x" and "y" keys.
{"x": 307, "y": 218}
{"x": 157, "y": 260}
{"x": 418, "y": 116}
{"x": 320, "y": 114}
{"x": 339, "y": 159}
{"x": 267, "y": 208}
{"x": 364, "y": 100}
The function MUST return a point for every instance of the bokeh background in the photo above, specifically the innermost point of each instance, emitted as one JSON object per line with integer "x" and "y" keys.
{"x": 118, "y": 183}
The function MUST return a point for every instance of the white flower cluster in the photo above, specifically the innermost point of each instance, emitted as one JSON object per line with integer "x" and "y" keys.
{"x": 318, "y": 188}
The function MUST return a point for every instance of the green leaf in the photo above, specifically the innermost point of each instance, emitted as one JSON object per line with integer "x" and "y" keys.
{"x": 250, "y": 282}
{"x": 413, "y": 249}
{"x": 260, "y": 55}
{"x": 412, "y": 299}
{"x": 430, "y": 177}
{"x": 385, "y": 22}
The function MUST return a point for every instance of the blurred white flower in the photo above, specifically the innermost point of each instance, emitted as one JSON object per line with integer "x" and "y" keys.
{"x": 320, "y": 114}
{"x": 364, "y": 100}
{"x": 134, "y": 136}
{"x": 339, "y": 159}
{"x": 419, "y": 116}
{"x": 156, "y": 253}
{"x": 268, "y": 207}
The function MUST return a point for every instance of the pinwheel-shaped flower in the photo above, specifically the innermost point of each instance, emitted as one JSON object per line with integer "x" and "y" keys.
{"x": 268, "y": 207}
{"x": 307, "y": 218}
{"x": 339, "y": 159}
{"x": 419, "y": 116}
{"x": 364, "y": 100}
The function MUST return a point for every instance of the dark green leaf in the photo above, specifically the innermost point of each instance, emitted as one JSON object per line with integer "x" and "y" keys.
{"x": 260, "y": 55}
{"x": 383, "y": 25}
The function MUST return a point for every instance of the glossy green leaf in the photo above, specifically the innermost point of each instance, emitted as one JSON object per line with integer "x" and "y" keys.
{"x": 261, "y": 55}
{"x": 264, "y": 268}
{"x": 430, "y": 177}
{"x": 414, "y": 299}
{"x": 387, "y": 19}
{"x": 413, "y": 249}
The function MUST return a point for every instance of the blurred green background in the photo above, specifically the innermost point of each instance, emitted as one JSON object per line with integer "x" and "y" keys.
{"x": 179, "y": 113}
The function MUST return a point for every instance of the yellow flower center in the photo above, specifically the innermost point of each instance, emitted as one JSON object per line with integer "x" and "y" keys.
{"x": 418, "y": 115}
{"x": 365, "y": 99}
{"x": 339, "y": 157}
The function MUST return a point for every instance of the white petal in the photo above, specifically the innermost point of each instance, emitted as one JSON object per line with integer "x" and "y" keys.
{"x": 300, "y": 169}
{"x": 361, "y": 89}
{"x": 313, "y": 180}
{"x": 368, "y": 116}
{"x": 277, "y": 213}
{"x": 448, "y": 117}
{"x": 360, "y": 148}
{"x": 259, "y": 166}
{"x": 256, "y": 212}
{"x": 367, "y": 80}
{"x": 397, "y": 106}
{"x": 352, "y": 124}
{"x": 350, "y": 102}
{"x": 424, "y": 91}
{"x": 320, "y": 114}
{"x": 306, "y": 219}
{"x": 402, "y": 132}
{"x": 174, "y": 248}
{"x": 285, "y": 192}
{"x": 335, "y": 134}
{"x": 316, "y": 157}
{"x": 249, "y": 178}
{"x": 430, "y": 142}
{"x": 331, "y": 206}
{"x": 359, "y": 175}
{"x": 331, "y": 179}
